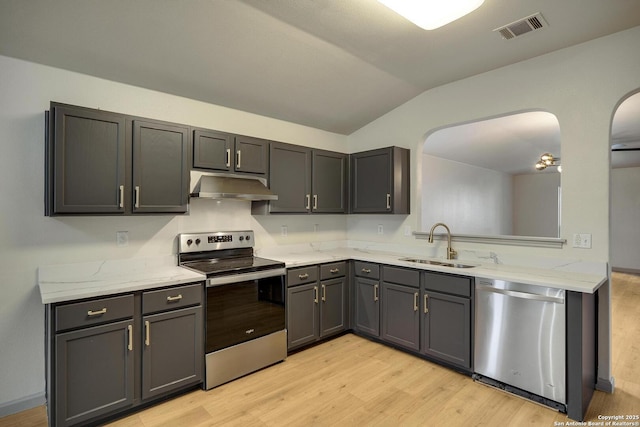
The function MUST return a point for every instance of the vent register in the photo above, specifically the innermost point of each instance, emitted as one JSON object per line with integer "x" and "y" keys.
{"x": 522, "y": 26}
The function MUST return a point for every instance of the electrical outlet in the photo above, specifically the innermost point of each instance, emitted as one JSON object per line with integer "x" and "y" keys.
{"x": 122, "y": 238}
{"x": 582, "y": 240}
{"x": 407, "y": 230}
{"x": 380, "y": 229}
{"x": 284, "y": 231}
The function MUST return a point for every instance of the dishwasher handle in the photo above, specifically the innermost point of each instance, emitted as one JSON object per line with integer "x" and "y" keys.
{"x": 522, "y": 295}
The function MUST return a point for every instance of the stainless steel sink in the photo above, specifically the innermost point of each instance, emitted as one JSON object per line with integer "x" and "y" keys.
{"x": 434, "y": 262}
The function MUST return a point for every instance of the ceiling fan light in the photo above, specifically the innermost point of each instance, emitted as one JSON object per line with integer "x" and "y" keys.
{"x": 432, "y": 14}
{"x": 541, "y": 165}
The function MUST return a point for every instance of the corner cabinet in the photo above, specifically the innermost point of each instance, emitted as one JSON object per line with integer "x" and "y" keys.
{"x": 104, "y": 357}
{"x": 316, "y": 303}
{"x": 447, "y": 319}
{"x": 98, "y": 162}
{"x": 307, "y": 180}
{"x": 366, "y": 289}
{"x": 380, "y": 181}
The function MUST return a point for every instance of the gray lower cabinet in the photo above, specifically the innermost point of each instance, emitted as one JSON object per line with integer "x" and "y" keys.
{"x": 109, "y": 355}
{"x": 366, "y": 288}
{"x": 447, "y": 319}
{"x": 380, "y": 181}
{"x": 316, "y": 303}
{"x": 400, "y": 307}
{"x": 307, "y": 180}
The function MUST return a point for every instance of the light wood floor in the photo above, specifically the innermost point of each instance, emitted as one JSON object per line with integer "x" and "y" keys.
{"x": 351, "y": 381}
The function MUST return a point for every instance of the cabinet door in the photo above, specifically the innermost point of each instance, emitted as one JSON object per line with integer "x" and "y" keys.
{"x": 251, "y": 155}
{"x": 367, "y": 307}
{"x": 289, "y": 178}
{"x": 173, "y": 354}
{"x": 93, "y": 372}
{"x": 212, "y": 150}
{"x": 333, "y": 308}
{"x": 85, "y": 162}
{"x": 400, "y": 315}
{"x": 329, "y": 182}
{"x": 302, "y": 315}
{"x": 446, "y": 331}
{"x": 371, "y": 181}
{"x": 160, "y": 167}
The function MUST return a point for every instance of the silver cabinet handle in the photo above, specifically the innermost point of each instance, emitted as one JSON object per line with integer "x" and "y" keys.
{"x": 426, "y": 303}
{"x": 315, "y": 294}
{"x": 375, "y": 292}
{"x": 173, "y": 299}
{"x": 137, "y": 196}
{"x": 130, "y": 333}
{"x": 388, "y": 201}
{"x": 303, "y": 276}
{"x": 334, "y": 271}
{"x": 97, "y": 312}
{"x": 121, "y": 204}
{"x": 324, "y": 293}
{"x": 147, "y": 339}
{"x": 228, "y": 162}
{"x": 366, "y": 270}
{"x": 308, "y": 202}
{"x": 315, "y": 201}
{"x": 238, "y": 159}
{"x": 415, "y": 301}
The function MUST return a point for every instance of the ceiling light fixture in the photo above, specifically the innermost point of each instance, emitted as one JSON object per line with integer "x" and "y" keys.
{"x": 547, "y": 160}
{"x": 432, "y": 14}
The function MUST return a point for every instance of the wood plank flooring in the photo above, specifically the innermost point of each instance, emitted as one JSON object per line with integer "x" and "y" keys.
{"x": 351, "y": 381}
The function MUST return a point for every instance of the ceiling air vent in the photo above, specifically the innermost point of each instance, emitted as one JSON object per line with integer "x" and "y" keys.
{"x": 522, "y": 26}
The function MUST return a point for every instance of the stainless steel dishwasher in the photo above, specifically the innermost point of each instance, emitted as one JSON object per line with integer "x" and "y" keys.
{"x": 520, "y": 343}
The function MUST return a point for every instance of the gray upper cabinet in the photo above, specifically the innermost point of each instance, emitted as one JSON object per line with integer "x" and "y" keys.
{"x": 447, "y": 319}
{"x": 307, "y": 180}
{"x": 380, "y": 181}
{"x": 224, "y": 152}
{"x": 97, "y": 162}
{"x": 85, "y": 161}
{"x": 160, "y": 167}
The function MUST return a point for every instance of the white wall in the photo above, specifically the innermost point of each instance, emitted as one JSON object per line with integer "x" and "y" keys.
{"x": 29, "y": 239}
{"x": 469, "y": 199}
{"x": 625, "y": 218}
{"x": 535, "y": 204}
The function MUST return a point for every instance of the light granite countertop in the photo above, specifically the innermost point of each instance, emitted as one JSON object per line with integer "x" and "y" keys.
{"x": 67, "y": 282}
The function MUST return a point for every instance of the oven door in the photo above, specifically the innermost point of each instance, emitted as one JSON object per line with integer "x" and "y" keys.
{"x": 243, "y": 310}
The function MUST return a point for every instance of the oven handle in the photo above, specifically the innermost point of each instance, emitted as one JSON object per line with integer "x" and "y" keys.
{"x": 244, "y": 277}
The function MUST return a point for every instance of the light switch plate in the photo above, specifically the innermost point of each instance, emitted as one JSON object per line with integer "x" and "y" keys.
{"x": 582, "y": 240}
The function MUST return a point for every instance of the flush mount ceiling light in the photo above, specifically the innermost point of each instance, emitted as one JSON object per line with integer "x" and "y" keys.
{"x": 547, "y": 160}
{"x": 432, "y": 14}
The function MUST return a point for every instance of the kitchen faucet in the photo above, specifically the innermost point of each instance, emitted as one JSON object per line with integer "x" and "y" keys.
{"x": 451, "y": 254}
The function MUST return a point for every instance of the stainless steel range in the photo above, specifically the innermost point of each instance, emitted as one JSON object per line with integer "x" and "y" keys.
{"x": 245, "y": 307}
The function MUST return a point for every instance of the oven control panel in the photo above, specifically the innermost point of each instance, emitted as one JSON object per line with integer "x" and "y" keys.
{"x": 198, "y": 242}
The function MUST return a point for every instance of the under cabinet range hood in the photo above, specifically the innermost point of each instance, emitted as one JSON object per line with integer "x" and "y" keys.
{"x": 226, "y": 186}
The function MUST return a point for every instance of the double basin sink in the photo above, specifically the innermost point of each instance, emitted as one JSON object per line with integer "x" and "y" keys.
{"x": 435, "y": 262}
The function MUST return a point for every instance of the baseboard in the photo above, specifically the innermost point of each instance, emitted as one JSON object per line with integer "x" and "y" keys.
{"x": 625, "y": 270}
{"x": 22, "y": 404}
{"x": 605, "y": 384}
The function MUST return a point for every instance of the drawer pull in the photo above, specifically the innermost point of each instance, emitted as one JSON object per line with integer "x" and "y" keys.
{"x": 174, "y": 299}
{"x": 147, "y": 338}
{"x": 334, "y": 271}
{"x": 366, "y": 270}
{"x": 97, "y": 312}
{"x": 130, "y": 331}
{"x": 303, "y": 276}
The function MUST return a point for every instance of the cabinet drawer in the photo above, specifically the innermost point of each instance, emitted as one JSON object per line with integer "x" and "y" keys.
{"x": 401, "y": 276}
{"x": 455, "y": 285}
{"x": 367, "y": 269}
{"x": 89, "y": 313}
{"x": 335, "y": 269}
{"x": 298, "y": 276}
{"x": 171, "y": 298}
